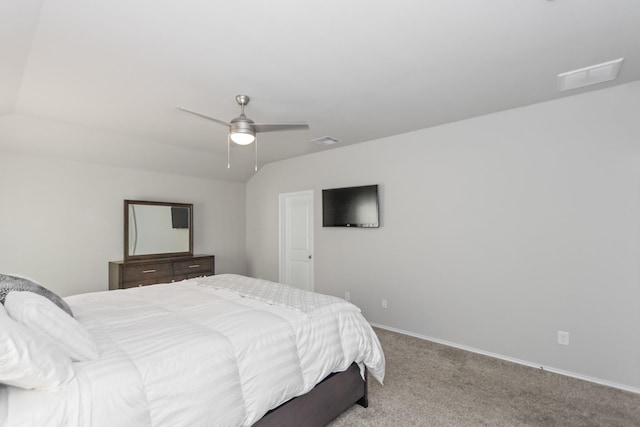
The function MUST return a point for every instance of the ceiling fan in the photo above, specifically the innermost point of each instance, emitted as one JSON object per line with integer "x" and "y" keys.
{"x": 243, "y": 130}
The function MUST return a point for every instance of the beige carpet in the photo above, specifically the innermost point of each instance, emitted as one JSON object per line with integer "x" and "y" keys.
{"x": 429, "y": 384}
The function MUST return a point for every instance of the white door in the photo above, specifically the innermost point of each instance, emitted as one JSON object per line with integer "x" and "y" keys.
{"x": 296, "y": 239}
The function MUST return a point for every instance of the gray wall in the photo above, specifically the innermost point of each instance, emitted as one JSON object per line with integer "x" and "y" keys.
{"x": 61, "y": 222}
{"x": 496, "y": 232}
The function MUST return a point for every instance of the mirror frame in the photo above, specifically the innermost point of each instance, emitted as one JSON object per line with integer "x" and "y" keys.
{"x": 128, "y": 257}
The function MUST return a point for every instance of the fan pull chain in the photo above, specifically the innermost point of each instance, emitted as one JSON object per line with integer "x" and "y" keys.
{"x": 228, "y": 151}
{"x": 256, "y": 142}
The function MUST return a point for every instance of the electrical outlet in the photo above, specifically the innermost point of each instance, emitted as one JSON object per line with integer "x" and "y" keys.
{"x": 563, "y": 337}
{"x": 384, "y": 303}
{"x": 347, "y": 296}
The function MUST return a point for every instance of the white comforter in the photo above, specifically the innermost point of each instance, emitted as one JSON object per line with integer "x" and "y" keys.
{"x": 196, "y": 354}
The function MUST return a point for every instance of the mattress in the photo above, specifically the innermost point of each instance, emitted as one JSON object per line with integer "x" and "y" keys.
{"x": 217, "y": 351}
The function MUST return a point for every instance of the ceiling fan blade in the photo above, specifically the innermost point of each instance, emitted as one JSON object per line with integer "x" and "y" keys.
{"x": 273, "y": 127}
{"x": 222, "y": 122}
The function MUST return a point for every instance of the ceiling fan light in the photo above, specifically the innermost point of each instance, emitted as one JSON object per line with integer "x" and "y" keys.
{"x": 242, "y": 138}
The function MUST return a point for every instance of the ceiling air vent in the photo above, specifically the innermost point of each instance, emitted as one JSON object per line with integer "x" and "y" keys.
{"x": 325, "y": 140}
{"x": 589, "y": 75}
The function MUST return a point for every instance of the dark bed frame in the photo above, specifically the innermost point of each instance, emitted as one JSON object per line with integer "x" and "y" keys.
{"x": 328, "y": 399}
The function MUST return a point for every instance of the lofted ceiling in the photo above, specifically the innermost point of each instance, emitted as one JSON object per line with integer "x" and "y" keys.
{"x": 100, "y": 80}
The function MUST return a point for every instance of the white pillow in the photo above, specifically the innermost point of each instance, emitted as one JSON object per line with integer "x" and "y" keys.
{"x": 40, "y": 314}
{"x": 29, "y": 359}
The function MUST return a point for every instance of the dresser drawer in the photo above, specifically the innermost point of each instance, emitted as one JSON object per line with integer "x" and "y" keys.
{"x": 146, "y": 272}
{"x": 193, "y": 267}
{"x": 145, "y": 282}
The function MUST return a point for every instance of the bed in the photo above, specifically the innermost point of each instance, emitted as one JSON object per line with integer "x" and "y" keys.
{"x": 224, "y": 350}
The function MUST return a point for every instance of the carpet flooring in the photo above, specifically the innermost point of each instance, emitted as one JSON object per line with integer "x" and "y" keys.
{"x": 429, "y": 384}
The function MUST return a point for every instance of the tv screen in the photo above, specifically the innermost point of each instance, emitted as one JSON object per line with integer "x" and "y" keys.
{"x": 350, "y": 207}
{"x": 179, "y": 217}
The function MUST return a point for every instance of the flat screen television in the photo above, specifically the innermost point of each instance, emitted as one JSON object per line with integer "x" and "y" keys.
{"x": 179, "y": 217}
{"x": 350, "y": 207}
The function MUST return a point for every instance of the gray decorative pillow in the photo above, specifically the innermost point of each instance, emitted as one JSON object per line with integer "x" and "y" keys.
{"x": 14, "y": 283}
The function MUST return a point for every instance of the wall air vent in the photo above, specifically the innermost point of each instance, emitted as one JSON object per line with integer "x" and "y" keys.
{"x": 589, "y": 75}
{"x": 325, "y": 140}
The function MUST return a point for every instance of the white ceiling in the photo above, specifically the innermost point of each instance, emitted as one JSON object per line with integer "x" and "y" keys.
{"x": 100, "y": 80}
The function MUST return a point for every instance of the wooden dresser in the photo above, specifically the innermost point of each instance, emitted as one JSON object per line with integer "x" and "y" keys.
{"x": 131, "y": 274}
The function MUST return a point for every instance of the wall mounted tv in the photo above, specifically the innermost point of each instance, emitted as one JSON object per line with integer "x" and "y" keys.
{"x": 350, "y": 207}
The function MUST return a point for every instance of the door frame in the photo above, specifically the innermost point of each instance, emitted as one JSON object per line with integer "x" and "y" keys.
{"x": 282, "y": 197}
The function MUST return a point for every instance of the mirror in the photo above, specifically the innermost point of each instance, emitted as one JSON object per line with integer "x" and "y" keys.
{"x": 157, "y": 229}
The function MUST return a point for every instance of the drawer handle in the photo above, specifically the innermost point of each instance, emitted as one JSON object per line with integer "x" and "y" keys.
{"x": 194, "y": 266}
{"x": 148, "y": 271}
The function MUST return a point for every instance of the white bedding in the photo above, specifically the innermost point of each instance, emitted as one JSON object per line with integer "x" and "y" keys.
{"x": 190, "y": 354}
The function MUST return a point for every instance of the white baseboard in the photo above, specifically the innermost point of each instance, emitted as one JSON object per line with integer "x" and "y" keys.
{"x": 511, "y": 359}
